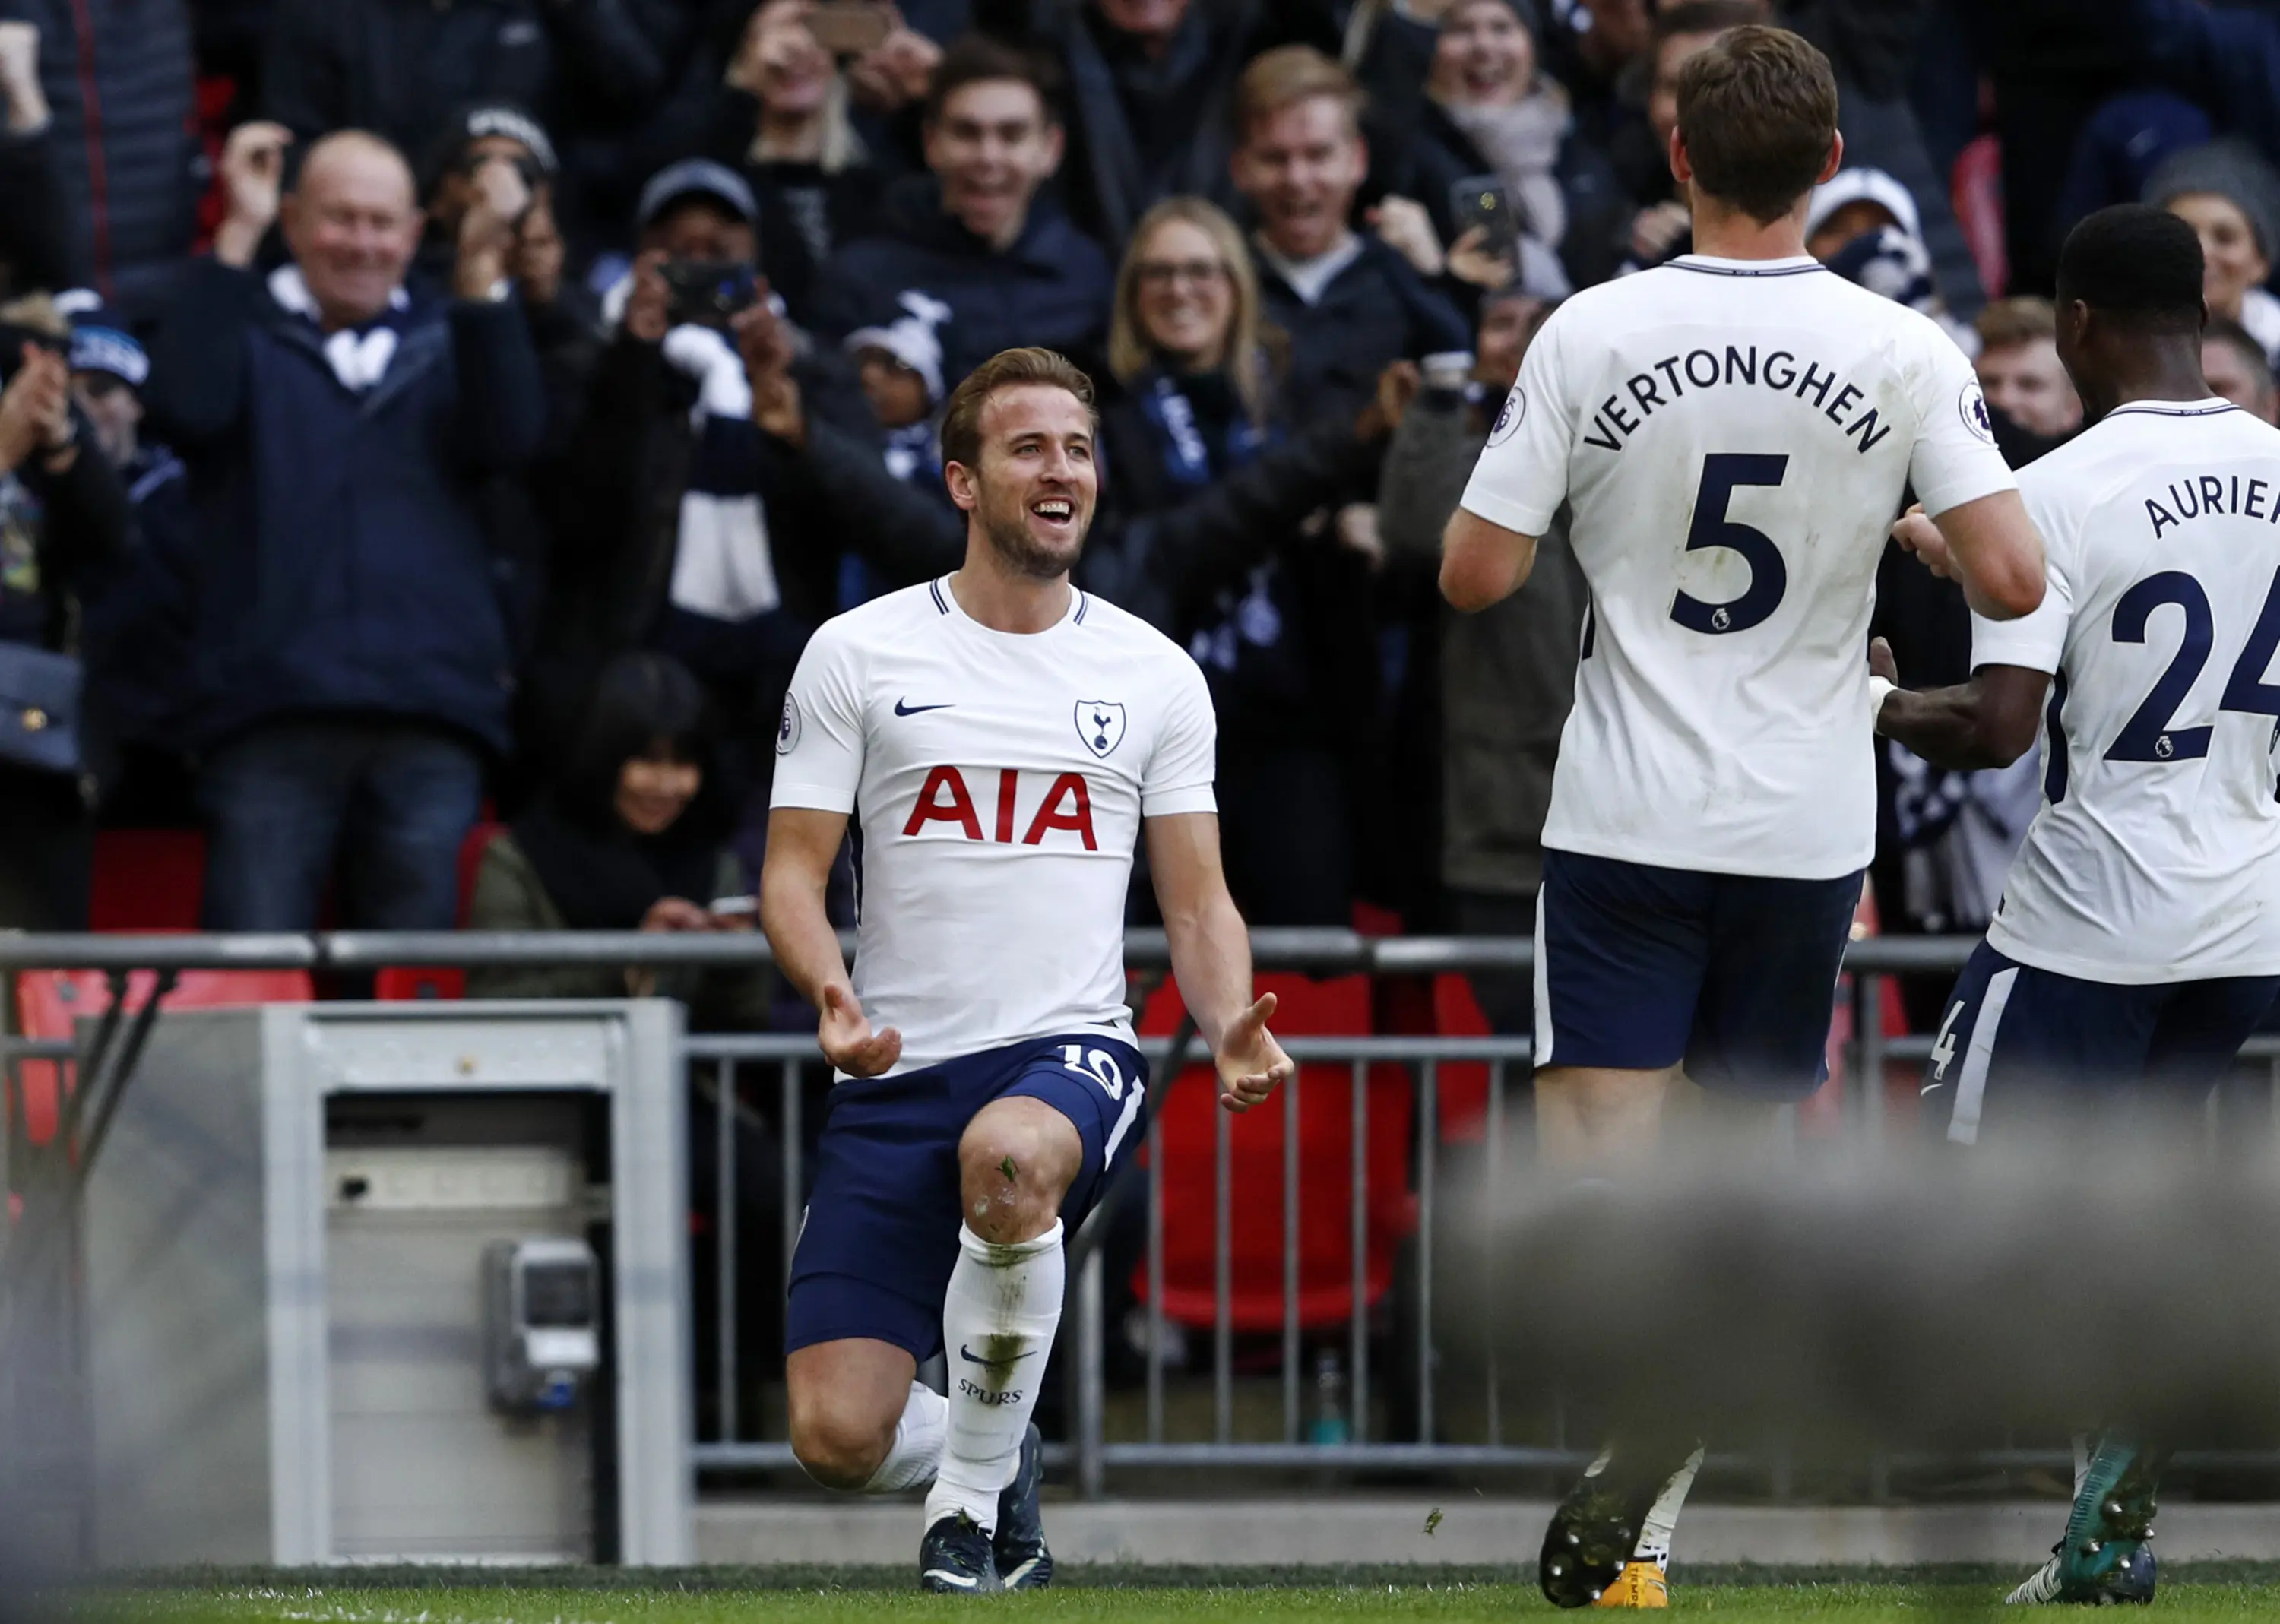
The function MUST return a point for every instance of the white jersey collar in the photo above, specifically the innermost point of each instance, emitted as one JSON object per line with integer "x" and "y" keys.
{"x": 2209, "y": 405}
{"x": 1710, "y": 264}
{"x": 945, "y": 602}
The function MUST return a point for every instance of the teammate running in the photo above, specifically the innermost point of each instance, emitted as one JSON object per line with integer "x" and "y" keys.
{"x": 2138, "y": 938}
{"x": 1733, "y": 431}
{"x": 1002, "y": 740}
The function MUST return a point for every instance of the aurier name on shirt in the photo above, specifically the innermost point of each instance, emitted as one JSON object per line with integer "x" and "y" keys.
{"x": 2201, "y": 494}
{"x": 1701, "y": 369}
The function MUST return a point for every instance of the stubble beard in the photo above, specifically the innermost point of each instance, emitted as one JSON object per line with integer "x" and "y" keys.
{"x": 1020, "y": 551}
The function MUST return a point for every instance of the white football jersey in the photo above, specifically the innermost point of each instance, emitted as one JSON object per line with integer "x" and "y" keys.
{"x": 998, "y": 781}
{"x": 1733, "y": 438}
{"x": 2156, "y": 855}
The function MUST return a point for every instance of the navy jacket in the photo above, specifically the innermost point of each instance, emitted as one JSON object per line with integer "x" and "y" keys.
{"x": 1376, "y": 310}
{"x": 118, "y": 74}
{"x": 1051, "y": 288}
{"x": 345, "y": 565}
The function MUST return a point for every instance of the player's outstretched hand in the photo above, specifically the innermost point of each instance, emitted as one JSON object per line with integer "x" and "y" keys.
{"x": 1252, "y": 1065}
{"x": 1921, "y": 537}
{"x": 845, "y": 1036}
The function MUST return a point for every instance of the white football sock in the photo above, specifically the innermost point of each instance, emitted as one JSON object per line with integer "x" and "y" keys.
{"x": 917, "y": 1449}
{"x": 997, "y": 1324}
{"x": 1662, "y": 1520}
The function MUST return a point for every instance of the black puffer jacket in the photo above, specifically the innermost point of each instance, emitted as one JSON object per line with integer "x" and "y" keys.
{"x": 118, "y": 74}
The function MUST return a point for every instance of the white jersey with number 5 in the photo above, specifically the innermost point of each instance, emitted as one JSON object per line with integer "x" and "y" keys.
{"x": 2156, "y": 856}
{"x": 997, "y": 782}
{"x": 1734, "y": 438}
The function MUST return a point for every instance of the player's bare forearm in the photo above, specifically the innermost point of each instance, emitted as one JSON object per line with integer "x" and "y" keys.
{"x": 1481, "y": 562}
{"x": 1211, "y": 946}
{"x": 1987, "y": 722}
{"x": 803, "y": 843}
{"x": 1996, "y": 553}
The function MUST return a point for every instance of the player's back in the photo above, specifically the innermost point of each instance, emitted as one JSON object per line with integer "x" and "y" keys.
{"x": 1734, "y": 439}
{"x": 2156, "y": 856}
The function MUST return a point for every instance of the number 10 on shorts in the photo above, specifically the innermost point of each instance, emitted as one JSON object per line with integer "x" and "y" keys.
{"x": 1096, "y": 1064}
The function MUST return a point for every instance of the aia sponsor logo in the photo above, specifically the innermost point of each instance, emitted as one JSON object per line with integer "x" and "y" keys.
{"x": 1066, "y": 803}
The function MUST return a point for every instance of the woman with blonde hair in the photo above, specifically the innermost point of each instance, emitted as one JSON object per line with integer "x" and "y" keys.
{"x": 1280, "y": 619}
{"x": 1187, "y": 302}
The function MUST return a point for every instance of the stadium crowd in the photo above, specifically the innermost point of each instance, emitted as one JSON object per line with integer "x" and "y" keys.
{"x": 414, "y": 406}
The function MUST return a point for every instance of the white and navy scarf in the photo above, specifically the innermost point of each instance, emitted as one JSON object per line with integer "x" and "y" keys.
{"x": 359, "y": 355}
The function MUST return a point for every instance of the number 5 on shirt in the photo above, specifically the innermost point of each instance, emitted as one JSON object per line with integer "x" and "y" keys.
{"x": 1722, "y": 472}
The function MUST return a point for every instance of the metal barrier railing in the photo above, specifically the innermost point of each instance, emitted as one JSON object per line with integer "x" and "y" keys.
{"x": 730, "y": 1437}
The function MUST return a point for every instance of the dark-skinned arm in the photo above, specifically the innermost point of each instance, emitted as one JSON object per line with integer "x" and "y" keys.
{"x": 1989, "y": 721}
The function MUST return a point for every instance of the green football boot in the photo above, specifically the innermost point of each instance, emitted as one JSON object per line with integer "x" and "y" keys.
{"x": 2104, "y": 1556}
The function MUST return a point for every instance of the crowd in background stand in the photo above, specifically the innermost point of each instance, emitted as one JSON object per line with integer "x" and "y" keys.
{"x": 413, "y": 407}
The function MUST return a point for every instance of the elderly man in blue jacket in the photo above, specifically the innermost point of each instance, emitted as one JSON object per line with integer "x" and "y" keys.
{"x": 352, "y": 664}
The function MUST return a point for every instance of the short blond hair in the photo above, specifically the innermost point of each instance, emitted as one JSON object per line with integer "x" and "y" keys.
{"x": 1008, "y": 369}
{"x": 1287, "y": 75}
{"x": 2021, "y": 320}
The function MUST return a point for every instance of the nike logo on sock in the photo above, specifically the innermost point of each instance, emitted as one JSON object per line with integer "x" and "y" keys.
{"x": 904, "y": 707}
{"x": 978, "y": 1359}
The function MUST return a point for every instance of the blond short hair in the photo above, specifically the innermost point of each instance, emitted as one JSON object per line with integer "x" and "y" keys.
{"x": 1287, "y": 75}
{"x": 2021, "y": 320}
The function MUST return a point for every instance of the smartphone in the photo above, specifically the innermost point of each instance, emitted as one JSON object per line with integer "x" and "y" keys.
{"x": 708, "y": 292}
{"x": 850, "y": 27}
{"x": 733, "y": 907}
{"x": 1481, "y": 200}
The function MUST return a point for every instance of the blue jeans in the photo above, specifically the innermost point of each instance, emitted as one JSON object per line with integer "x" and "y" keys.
{"x": 389, "y": 801}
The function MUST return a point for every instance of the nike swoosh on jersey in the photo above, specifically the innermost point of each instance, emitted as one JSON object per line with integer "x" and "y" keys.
{"x": 978, "y": 1359}
{"x": 904, "y": 707}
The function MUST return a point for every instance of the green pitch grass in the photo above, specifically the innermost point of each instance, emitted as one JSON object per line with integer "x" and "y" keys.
{"x": 2193, "y": 1595}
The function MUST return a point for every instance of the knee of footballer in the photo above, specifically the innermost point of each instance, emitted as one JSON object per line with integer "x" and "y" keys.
{"x": 1013, "y": 1175}
{"x": 838, "y": 1448}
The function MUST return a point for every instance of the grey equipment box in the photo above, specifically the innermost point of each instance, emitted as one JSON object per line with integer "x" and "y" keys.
{"x": 297, "y": 1246}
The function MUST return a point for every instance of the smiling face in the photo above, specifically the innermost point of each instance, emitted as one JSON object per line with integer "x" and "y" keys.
{"x": 1183, "y": 296}
{"x": 1033, "y": 487}
{"x": 2025, "y": 382}
{"x": 353, "y": 226}
{"x": 991, "y": 148}
{"x": 2232, "y": 262}
{"x": 1483, "y": 57}
{"x": 1300, "y": 167}
{"x": 653, "y": 791}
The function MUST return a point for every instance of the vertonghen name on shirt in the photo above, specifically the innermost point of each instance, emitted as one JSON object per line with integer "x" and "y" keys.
{"x": 1668, "y": 380}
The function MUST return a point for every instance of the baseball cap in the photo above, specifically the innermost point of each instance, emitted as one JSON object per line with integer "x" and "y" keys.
{"x": 695, "y": 177}
{"x": 473, "y": 121}
{"x": 99, "y": 345}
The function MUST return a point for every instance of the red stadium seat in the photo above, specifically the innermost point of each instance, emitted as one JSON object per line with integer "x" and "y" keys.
{"x": 408, "y": 983}
{"x": 50, "y": 1002}
{"x": 1464, "y": 1083}
{"x": 1186, "y": 1113}
{"x": 147, "y": 880}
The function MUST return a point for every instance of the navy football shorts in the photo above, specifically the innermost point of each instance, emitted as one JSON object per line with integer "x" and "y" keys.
{"x": 2015, "y": 1038}
{"x": 880, "y": 1234}
{"x": 1639, "y": 967}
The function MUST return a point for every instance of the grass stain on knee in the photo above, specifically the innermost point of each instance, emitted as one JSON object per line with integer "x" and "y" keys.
{"x": 1009, "y": 1170}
